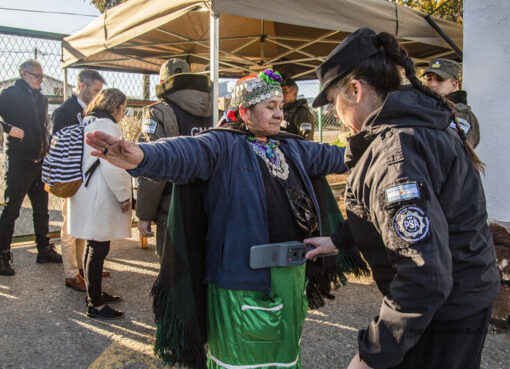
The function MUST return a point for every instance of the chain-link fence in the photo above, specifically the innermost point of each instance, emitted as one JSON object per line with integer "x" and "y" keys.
{"x": 328, "y": 127}
{"x": 18, "y": 45}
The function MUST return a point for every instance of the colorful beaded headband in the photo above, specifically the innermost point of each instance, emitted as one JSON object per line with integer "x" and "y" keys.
{"x": 254, "y": 89}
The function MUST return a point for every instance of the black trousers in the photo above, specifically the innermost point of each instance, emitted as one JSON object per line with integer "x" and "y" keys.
{"x": 93, "y": 260}
{"x": 450, "y": 344}
{"x": 23, "y": 177}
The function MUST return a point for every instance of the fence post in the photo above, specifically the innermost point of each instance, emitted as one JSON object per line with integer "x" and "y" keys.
{"x": 66, "y": 85}
{"x": 146, "y": 83}
{"x": 319, "y": 116}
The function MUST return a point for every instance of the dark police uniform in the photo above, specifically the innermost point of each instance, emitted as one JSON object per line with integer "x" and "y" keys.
{"x": 467, "y": 119}
{"x": 416, "y": 210}
{"x": 296, "y": 113}
{"x": 25, "y": 108}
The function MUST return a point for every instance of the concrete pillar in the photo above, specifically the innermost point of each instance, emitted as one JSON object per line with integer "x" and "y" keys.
{"x": 486, "y": 78}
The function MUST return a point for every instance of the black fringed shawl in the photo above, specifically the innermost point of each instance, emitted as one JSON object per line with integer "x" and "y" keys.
{"x": 179, "y": 292}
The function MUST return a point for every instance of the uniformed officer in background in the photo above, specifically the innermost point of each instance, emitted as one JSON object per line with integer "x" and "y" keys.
{"x": 183, "y": 109}
{"x": 425, "y": 237}
{"x": 297, "y": 117}
{"x": 442, "y": 77}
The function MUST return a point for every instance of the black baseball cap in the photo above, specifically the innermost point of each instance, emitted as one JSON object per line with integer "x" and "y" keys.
{"x": 355, "y": 48}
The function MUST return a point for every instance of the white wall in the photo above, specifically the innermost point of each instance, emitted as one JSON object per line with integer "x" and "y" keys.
{"x": 486, "y": 77}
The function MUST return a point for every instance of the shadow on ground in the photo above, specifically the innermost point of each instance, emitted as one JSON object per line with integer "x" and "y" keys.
{"x": 43, "y": 323}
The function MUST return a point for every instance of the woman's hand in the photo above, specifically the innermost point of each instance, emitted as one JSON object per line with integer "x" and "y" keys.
{"x": 119, "y": 152}
{"x": 126, "y": 205}
{"x": 323, "y": 245}
{"x": 16, "y": 132}
{"x": 357, "y": 363}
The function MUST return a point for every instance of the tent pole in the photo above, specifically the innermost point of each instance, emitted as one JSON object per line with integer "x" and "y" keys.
{"x": 214, "y": 63}
{"x": 319, "y": 116}
{"x": 445, "y": 37}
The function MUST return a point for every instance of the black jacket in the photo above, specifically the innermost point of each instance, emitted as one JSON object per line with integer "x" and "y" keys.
{"x": 25, "y": 108}
{"x": 416, "y": 209}
{"x": 66, "y": 114}
{"x": 183, "y": 110}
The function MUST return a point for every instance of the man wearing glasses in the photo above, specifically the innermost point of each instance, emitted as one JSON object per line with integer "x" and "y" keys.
{"x": 23, "y": 109}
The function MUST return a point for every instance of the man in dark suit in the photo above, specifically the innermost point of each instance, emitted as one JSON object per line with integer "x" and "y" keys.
{"x": 23, "y": 109}
{"x": 88, "y": 85}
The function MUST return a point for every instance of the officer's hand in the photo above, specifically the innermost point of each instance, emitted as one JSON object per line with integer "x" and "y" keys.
{"x": 119, "y": 152}
{"x": 357, "y": 363}
{"x": 17, "y": 132}
{"x": 144, "y": 226}
{"x": 323, "y": 245}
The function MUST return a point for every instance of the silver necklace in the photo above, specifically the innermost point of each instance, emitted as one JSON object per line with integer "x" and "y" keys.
{"x": 280, "y": 168}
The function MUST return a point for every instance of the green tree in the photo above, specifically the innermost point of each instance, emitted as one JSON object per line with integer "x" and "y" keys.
{"x": 103, "y": 5}
{"x": 448, "y": 9}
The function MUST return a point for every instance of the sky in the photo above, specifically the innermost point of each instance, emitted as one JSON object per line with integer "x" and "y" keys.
{"x": 57, "y": 23}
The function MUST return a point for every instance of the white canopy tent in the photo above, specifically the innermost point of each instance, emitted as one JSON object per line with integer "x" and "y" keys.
{"x": 245, "y": 36}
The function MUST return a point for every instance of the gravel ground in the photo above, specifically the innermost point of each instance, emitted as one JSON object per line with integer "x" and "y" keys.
{"x": 43, "y": 324}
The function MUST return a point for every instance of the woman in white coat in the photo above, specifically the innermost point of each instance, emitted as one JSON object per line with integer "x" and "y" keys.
{"x": 101, "y": 210}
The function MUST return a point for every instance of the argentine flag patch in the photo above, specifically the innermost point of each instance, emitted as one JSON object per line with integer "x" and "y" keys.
{"x": 402, "y": 192}
{"x": 149, "y": 126}
{"x": 464, "y": 125}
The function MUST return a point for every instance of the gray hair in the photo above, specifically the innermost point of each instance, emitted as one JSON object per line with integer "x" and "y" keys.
{"x": 27, "y": 65}
{"x": 88, "y": 76}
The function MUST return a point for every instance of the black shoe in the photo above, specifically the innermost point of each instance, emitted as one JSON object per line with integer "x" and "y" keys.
{"x": 106, "y": 313}
{"x": 5, "y": 263}
{"x": 107, "y": 299}
{"x": 48, "y": 255}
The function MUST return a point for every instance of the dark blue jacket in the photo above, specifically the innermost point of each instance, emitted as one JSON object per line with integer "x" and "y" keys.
{"x": 66, "y": 114}
{"x": 25, "y": 108}
{"x": 235, "y": 201}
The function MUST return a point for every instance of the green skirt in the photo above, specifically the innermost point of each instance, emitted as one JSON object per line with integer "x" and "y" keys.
{"x": 258, "y": 330}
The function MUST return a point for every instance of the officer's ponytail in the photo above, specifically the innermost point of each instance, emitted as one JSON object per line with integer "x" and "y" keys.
{"x": 399, "y": 56}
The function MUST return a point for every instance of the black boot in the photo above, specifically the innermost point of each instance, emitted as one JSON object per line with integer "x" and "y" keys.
{"x": 5, "y": 263}
{"x": 47, "y": 254}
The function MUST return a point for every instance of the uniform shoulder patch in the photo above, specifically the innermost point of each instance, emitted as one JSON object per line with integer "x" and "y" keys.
{"x": 464, "y": 125}
{"x": 149, "y": 126}
{"x": 411, "y": 224}
{"x": 403, "y": 192}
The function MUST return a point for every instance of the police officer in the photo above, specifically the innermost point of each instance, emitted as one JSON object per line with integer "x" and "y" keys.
{"x": 442, "y": 77}
{"x": 426, "y": 239}
{"x": 183, "y": 109}
{"x": 298, "y": 118}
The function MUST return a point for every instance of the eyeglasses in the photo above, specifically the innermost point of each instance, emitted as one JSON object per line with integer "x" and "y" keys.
{"x": 36, "y": 75}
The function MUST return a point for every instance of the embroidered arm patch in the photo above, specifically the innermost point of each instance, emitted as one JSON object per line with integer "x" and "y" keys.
{"x": 464, "y": 125}
{"x": 149, "y": 126}
{"x": 402, "y": 192}
{"x": 411, "y": 224}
